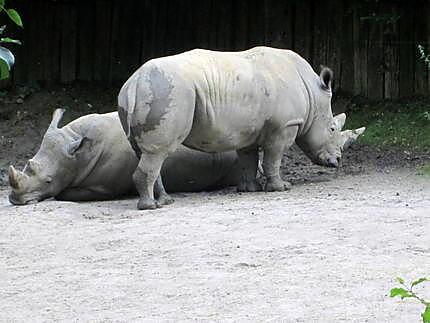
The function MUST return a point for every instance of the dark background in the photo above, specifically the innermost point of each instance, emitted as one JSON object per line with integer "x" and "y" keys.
{"x": 371, "y": 45}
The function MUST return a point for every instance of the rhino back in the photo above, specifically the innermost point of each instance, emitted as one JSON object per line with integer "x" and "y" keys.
{"x": 237, "y": 94}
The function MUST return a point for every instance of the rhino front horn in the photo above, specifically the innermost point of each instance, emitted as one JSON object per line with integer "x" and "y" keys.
{"x": 56, "y": 118}
{"x": 13, "y": 177}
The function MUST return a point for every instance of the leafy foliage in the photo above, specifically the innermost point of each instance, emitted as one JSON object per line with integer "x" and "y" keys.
{"x": 423, "y": 56}
{"x": 408, "y": 292}
{"x": 6, "y": 57}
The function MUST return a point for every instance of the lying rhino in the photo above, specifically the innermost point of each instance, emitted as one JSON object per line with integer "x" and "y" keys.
{"x": 91, "y": 159}
{"x": 220, "y": 101}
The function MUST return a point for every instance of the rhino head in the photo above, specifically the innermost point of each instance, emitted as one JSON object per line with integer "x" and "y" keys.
{"x": 324, "y": 141}
{"x": 52, "y": 168}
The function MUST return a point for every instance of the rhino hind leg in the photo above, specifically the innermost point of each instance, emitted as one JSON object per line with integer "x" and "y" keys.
{"x": 248, "y": 163}
{"x": 162, "y": 198}
{"x": 145, "y": 177}
{"x": 273, "y": 153}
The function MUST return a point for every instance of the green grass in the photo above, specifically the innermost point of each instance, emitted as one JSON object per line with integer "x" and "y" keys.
{"x": 393, "y": 124}
{"x": 424, "y": 170}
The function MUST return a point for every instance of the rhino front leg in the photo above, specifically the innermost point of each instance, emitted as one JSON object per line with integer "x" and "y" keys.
{"x": 273, "y": 152}
{"x": 144, "y": 178}
{"x": 160, "y": 193}
{"x": 248, "y": 163}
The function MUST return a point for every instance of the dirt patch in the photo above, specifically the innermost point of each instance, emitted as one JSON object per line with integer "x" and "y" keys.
{"x": 323, "y": 252}
{"x": 328, "y": 250}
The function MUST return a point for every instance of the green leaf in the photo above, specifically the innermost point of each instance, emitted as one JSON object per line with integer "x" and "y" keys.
{"x": 14, "y": 15}
{"x": 2, "y": 3}
{"x": 400, "y": 280}
{"x": 10, "y": 40}
{"x": 426, "y": 315}
{"x": 4, "y": 70}
{"x": 419, "y": 281}
{"x": 7, "y": 56}
{"x": 400, "y": 292}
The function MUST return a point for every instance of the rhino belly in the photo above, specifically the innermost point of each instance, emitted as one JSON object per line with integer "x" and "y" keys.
{"x": 188, "y": 170}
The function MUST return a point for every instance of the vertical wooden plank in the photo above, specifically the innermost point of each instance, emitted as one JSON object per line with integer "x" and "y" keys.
{"x": 391, "y": 53}
{"x": 224, "y": 31}
{"x": 186, "y": 34}
{"x": 190, "y": 36}
{"x": 68, "y": 42}
{"x": 407, "y": 51}
{"x": 320, "y": 39}
{"x": 334, "y": 34}
{"x": 33, "y": 59}
{"x": 361, "y": 37}
{"x": 374, "y": 54}
{"x": 86, "y": 14}
{"x": 147, "y": 17}
{"x": 160, "y": 33}
{"x": 256, "y": 23}
{"x": 126, "y": 39}
{"x": 241, "y": 15}
{"x": 201, "y": 11}
{"x": 172, "y": 27}
{"x": 346, "y": 74}
{"x": 278, "y": 24}
{"x": 303, "y": 29}
{"x": 54, "y": 46}
{"x": 421, "y": 71}
{"x": 427, "y": 44}
{"x": 212, "y": 19}
{"x": 102, "y": 40}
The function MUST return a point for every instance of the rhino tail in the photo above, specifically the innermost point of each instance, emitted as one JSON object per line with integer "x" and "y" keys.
{"x": 126, "y": 105}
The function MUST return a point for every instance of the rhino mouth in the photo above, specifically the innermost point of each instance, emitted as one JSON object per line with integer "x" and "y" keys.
{"x": 15, "y": 200}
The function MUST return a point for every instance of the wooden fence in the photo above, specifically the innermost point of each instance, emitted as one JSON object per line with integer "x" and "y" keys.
{"x": 371, "y": 45}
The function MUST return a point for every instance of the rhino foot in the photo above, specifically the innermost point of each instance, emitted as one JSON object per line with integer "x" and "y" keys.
{"x": 164, "y": 199}
{"x": 277, "y": 185}
{"x": 146, "y": 204}
{"x": 249, "y": 186}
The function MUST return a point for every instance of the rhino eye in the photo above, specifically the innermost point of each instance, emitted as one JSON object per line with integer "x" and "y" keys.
{"x": 332, "y": 129}
{"x": 48, "y": 180}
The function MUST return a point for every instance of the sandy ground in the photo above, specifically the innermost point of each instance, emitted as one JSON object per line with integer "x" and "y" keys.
{"x": 323, "y": 252}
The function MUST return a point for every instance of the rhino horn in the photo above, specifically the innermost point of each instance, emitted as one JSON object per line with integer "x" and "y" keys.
{"x": 340, "y": 120}
{"x": 15, "y": 177}
{"x": 56, "y": 118}
{"x": 350, "y": 136}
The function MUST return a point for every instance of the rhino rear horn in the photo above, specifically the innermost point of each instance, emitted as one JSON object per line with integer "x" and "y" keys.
{"x": 340, "y": 120}
{"x": 56, "y": 118}
{"x": 15, "y": 177}
{"x": 350, "y": 136}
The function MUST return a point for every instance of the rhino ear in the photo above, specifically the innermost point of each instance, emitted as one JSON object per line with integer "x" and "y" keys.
{"x": 73, "y": 147}
{"x": 326, "y": 77}
{"x": 56, "y": 118}
{"x": 32, "y": 167}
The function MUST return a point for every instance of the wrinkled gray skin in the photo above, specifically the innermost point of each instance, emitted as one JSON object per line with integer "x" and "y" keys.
{"x": 91, "y": 159}
{"x": 262, "y": 98}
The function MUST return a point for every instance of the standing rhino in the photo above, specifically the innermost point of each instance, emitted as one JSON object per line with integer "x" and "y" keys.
{"x": 220, "y": 101}
{"x": 91, "y": 159}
